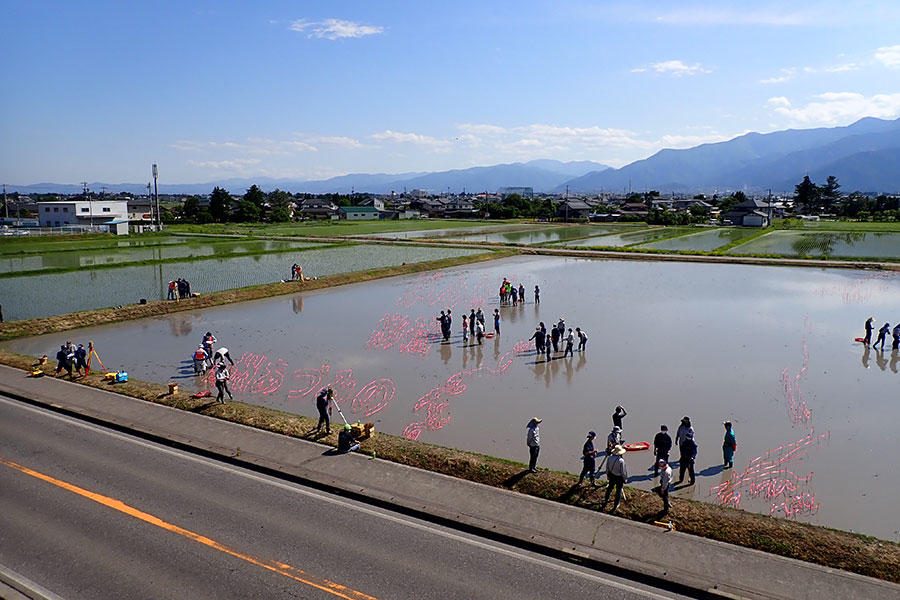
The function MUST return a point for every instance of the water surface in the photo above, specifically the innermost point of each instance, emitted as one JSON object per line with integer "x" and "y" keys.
{"x": 705, "y": 241}
{"x": 824, "y": 243}
{"x": 715, "y": 342}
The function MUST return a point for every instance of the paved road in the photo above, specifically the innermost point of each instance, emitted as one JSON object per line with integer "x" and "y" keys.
{"x": 90, "y": 513}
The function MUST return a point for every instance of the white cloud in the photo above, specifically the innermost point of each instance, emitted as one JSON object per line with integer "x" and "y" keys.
{"x": 889, "y": 56}
{"x": 841, "y": 68}
{"x": 335, "y": 29}
{"x": 277, "y": 147}
{"x": 234, "y": 165}
{"x": 397, "y": 137}
{"x": 672, "y": 67}
{"x": 335, "y": 140}
{"x": 786, "y": 75}
{"x": 835, "y": 108}
{"x": 778, "y": 101}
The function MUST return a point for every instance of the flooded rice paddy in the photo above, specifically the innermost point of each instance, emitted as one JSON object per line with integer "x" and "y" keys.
{"x": 769, "y": 348}
{"x": 823, "y": 243}
{"x": 454, "y": 231}
{"x": 59, "y": 293}
{"x": 540, "y": 236}
{"x": 705, "y": 241}
{"x": 630, "y": 238}
{"x": 73, "y": 258}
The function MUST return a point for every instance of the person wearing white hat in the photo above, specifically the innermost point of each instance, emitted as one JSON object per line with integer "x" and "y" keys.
{"x": 533, "y": 439}
{"x": 665, "y": 480}
{"x": 616, "y": 476}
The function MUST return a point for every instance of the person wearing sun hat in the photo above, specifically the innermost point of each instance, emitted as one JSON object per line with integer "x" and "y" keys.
{"x": 665, "y": 480}
{"x": 616, "y": 476}
{"x": 533, "y": 439}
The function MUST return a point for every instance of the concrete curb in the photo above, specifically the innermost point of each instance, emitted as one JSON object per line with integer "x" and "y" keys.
{"x": 671, "y": 560}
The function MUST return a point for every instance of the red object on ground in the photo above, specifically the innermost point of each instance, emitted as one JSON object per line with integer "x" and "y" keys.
{"x": 636, "y": 446}
{"x": 860, "y": 339}
{"x": 203, "y": 394}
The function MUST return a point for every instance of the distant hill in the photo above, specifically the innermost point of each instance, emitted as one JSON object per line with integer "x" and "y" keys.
{"x": 756, "y": 162}
{"x": 543, "y": 175}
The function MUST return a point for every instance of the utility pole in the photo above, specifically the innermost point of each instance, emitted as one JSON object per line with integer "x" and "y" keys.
{"x": 5, "y": 204}
{"x": 156, "y": 193}
{"x": 90, "y": 203}
{"x": 567, "y": 204}
{"x": 769, "y": 200}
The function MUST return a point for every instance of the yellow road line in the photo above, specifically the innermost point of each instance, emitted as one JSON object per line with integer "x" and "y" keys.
{"x": 275, "y": 566}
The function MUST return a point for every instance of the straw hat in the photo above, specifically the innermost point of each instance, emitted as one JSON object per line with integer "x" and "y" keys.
{"x": 619, "y": 451}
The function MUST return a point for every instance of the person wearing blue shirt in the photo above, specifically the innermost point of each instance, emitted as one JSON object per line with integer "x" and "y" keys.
{"x": 588, "y": 455}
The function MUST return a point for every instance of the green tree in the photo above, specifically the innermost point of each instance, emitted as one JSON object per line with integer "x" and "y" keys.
{"x": 203, "y": 216}
{"x": 280, "y": 214}
{"x": 739, "y": 197}
{"x": 248, "y": 211}
{"x": 830, "y": 193}
{"x": 220, "y": 205}
{"x": 281, "y": 199}
{"x": 191, "y": 207}
{"x": 806, "y": 195}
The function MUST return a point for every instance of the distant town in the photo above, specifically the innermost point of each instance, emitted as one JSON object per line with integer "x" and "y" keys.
{"x": 124, "y": 213}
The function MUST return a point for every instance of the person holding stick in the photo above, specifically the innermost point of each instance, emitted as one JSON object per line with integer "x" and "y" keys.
{"x": 323, "y": 399}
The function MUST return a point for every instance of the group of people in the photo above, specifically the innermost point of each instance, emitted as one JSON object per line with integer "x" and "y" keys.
{"x": 616, "y": 469}
{"x": 882, "y": 334}
{"x": 72, "y": 360}
{"x": 509, "y": 294}
{"x": 473, "y": 326}
{"x": 179, "y": 289}
{"x": 544, "y": 342}
{"x": 207, "y": 356}
{"x": 296, "y": 272}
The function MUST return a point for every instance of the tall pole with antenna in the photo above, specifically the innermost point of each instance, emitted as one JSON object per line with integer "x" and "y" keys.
{"x": 5, "y": 203}
{"x": 156, "y": 194}
{"x": 90, "y": 203}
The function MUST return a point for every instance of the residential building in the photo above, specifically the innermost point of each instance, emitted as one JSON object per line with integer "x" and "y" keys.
{"x": 81, "y": 213}
{"x": 359, "y": 213}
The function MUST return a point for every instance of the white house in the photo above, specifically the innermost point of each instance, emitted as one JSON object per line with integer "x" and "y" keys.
{"x": 63, "y": 213}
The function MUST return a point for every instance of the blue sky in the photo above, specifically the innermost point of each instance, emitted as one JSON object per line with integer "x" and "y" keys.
{"x": 98, "y": 91}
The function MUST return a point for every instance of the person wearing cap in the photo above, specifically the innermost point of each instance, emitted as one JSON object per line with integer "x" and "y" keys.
{"x": 613, "y": 439}
{"x": 81, "y": 360}
{"x": 618, "y": 416}
{"x": 683, "y": 430}
{"x": 588, "y": 455}
{"x": 222, "y": 377}
{"x": 662, "y": 445}
{"x": 665, "y": 480}
{"x": 616, "y": 476}
{"x": 868, "y": 338}
{"x": 323, "y": 405}
{"x": 582, "y": 339}
{"x": 882, "y": 333}
{"x": 63, "y": 362}
{"x": 729, "y": 445}
{"x": 533, "y": 439}
{"x": 688, "y": 452}
{"x": 346, "y": 441}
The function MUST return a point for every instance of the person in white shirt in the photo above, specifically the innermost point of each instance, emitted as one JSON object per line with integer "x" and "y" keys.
{"x": 665, "y": 480}
{"x": 222, "y": 377}
{"x": 616, "y": 476}
{"x": 533, "y": 439}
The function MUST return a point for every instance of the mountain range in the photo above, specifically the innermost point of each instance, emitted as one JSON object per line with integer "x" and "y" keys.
{"x": 864, "y": 156}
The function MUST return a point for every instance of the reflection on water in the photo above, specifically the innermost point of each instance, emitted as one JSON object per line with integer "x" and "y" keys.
{"x": 715, "y": 342}
{"x": 823, "y": 243}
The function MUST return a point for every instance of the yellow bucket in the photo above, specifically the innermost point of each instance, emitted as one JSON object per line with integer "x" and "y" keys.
{"x": 173, "y": 388}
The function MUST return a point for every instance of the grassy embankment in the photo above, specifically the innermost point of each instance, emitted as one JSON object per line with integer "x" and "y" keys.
{"x": 39, "y": 326}
{"x": 832, "y": 548}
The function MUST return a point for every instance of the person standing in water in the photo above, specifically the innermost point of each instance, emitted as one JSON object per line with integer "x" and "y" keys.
{"x": 618, "y": 416}
{"x": 582, "y": 339}
{"x": 472, "y": 323}
{"x": 537, "y": 295}
{"x": 222, "y": 377}
{"x": 868, "y": 339}
{"x": 570, "y": 343}
{"x": 882, "y": 333}
{"x": 729, "y": 445}
{"x": 497, "y": 321}
{"x": 521, "y": 293}
{"x": 465, "y": 330}
{"x": 538, "y": 338}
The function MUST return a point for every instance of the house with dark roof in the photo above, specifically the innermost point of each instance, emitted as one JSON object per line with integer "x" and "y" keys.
{"x": 573, "y": 209}
{"x": 318, "y": 208}
{"x": 749, "y": 213}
